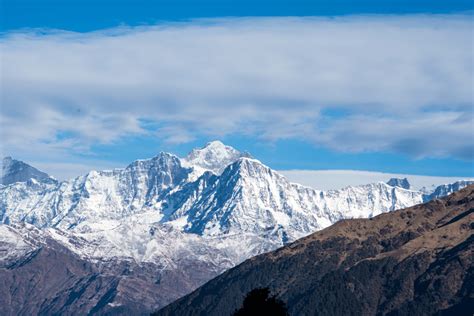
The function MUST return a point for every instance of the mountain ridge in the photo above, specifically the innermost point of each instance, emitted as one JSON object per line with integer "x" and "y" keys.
{"x": 415, "y": 261}
{"x": 246, "y": 196}
{"x": 163, "y": 211}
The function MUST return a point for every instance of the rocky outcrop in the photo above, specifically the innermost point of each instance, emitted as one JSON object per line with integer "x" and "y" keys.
{"x": 401, "y": 183}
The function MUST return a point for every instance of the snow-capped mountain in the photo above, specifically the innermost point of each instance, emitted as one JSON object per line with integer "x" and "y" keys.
{"x": 229, "y": 194}
{"x": 402, "y": 183}
{"x": 214, "y": 208}
{"x": 214, "y": 157}
{"x": 250, "y": 197}
{"x": 18, "y": 171}
{"x": 446, "y": 189}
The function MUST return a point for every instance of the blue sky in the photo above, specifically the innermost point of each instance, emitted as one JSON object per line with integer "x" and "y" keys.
{"x": 381, "y": 85}
{"x": 89, "y": 15}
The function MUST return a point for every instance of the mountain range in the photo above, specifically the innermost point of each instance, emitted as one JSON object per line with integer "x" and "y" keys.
{"x": 164, "y": 225}
{"x": 415, "y": 261}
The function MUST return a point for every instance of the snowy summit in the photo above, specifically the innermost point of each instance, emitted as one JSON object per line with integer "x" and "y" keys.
{"x": 18, "y": 171}
{"x": 214, "y": 157}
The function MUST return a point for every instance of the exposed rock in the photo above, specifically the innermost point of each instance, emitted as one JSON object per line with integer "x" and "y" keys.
{"x": 401, "y": 183}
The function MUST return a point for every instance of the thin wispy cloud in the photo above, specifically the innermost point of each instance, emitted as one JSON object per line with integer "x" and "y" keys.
{"x": 398, "y": 84}
{"x": 337, "y": 179}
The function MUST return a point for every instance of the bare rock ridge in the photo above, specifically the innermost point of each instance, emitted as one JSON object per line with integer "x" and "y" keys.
{"x": 402, "y": 183}
{"x": 414, "y": 261}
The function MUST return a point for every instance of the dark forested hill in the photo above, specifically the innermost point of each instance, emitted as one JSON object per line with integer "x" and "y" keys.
{"x": 415, "y": 261}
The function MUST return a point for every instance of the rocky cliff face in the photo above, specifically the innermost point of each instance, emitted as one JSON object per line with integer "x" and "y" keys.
{"x": 402, "y": 183}
{"x": 415, "y": 261}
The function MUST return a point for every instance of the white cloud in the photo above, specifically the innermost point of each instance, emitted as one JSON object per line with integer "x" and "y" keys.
{"x": 336, "y": 179}
{"x": 66, "y": 170}
{"x": 369, "y": 83}
{"x": 439, "y": 134}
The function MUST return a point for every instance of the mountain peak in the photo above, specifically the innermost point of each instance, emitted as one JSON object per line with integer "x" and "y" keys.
{"x": 6, "y": 163}
{"x": 399, "y": 182}
{"x": 17, "y": 171}
{"x": 215, "y": 156}
{"x": 215, "y": 144}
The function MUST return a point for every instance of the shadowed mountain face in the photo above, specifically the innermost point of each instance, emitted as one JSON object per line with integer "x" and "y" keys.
{"x": 415, "y": 261}
{"x": 402, "y": 183}
{"x": 18, "y": 171}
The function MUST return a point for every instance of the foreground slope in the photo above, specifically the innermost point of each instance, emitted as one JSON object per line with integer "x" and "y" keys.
{"x": 40, "y": 276}
{"x": 415, "y": 261}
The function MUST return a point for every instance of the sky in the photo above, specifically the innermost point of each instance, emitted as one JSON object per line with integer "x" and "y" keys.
{"x": 384, "y": 86}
